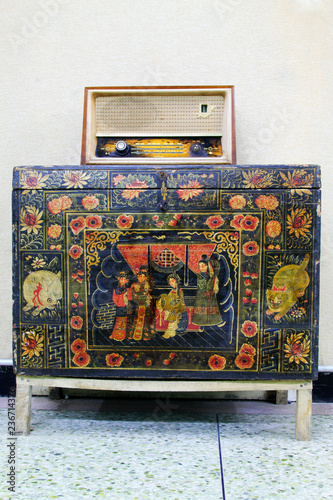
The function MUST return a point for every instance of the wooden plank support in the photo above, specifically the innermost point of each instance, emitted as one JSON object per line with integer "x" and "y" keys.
{"x": 303, "y": 388}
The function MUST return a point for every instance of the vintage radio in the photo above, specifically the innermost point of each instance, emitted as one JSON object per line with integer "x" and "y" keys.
{"x": 159, "y": 125}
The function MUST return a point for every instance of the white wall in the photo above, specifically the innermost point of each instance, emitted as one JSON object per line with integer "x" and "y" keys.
{"x": 277, "y": 53}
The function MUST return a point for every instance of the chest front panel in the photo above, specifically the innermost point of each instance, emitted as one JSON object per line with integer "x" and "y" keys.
{"x": 181, "y": 273}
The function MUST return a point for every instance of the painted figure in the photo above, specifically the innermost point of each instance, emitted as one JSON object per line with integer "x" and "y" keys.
{"x": 289, "y": 283}
{"x": 206, "y": 310}
{"x": 119, "y": 297}
{"x": 142, "y": 302}
{"x": 42, "y": 290}
{"x": 173, "y": 305}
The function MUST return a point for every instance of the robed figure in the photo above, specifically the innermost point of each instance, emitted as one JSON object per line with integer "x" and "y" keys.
{"x": 206, "y": 311}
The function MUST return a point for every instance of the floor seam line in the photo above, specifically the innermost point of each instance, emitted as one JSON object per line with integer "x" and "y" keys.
{"x": 220, "y": 455}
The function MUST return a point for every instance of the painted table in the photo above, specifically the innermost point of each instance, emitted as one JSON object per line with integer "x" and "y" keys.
{"x": 187, "y": 273}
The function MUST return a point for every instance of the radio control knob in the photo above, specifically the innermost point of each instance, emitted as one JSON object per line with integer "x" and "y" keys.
{"x": 122, "y": 148}
{"x": 197, "y": 149}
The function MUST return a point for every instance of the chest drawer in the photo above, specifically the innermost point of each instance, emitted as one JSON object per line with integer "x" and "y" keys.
{"x": 183, "y": 273}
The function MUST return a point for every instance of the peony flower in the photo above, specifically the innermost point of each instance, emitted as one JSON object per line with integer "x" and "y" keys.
{"x": 214, "y": 221}
{"x": 78, "y": 345}
{"x": 248, "y": 349}
{"x": 75, "y": 251}
{"x": 75, "y": 179}
{"x": 81, "y": 359}
{"x": 118, "y": 179}
{"x": 94, "y": 221}
{"x": 90, "y": 202}
{"x": 32, "y": 344}
{"x": 249, "y": 328}
{"x": 134, "y": 189}
{"x": 77, "y": 225}
{"x": 76, "y": 322}
{"x": 235, "y": 223}
{"x": 273, "y": 228}
{"x": 217, "y": 362}
{"x": 244, "y": 361}
{"x": 268, "y": 202}
{"x": 249, "y": 223}
{"x": 237, "y": 202}
{"x": 299, "y": 222}
{"x": 54, "y": 231}
{"x": 124, "y": 221}
{"x": 250, "y": 248}
{"x": 114, "y": 360}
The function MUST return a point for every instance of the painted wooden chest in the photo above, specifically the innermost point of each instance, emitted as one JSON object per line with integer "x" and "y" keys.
{"x": 186, "y": 272}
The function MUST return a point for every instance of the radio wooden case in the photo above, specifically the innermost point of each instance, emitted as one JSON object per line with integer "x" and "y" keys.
{"x": 131, "y": 125}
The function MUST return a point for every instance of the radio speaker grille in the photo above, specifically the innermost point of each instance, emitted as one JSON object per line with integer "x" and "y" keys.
{"x": 153, "y": 115}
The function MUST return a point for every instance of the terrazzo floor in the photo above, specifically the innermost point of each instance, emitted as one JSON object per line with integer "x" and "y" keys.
{"x": 167, "y": 449}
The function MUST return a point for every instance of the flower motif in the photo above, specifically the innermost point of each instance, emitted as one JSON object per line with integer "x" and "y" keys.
{"x": 257, "y": 179}
{"x": 78, "y": 345}
{"x": 148, "y": 362}
{"x": 38, "y": 263}
{"x": 254, "y": 276}
{"x": 94, "y": 221}
{"x": 297, "y": 348}
{"x": 214, "y": 221}
{"x": 299, "y": 222}
{"x": 297, "y": 180}
{"x": 77, "y": 225}
{"x": 235, "y": 223}
{"x": 134, "y": 189}
{"x": 269, "y": 202}
{"x": 237, "y": 202}
{"x": 173, "y": 222}
{"x": 75, "y": 251}
{"x": 245, "y": 300}
{"x": 90, "y": 202}
{"x": 81, "y": 359}
{"x": 32, "y": 344}
{"x": 250, "y": 248}
{"x": 248, "y": 292}
{"x": 172, "y": 355}
{"x": 57, "y": 205}
{"x": 247, "y": 282}
{"x": 31, "y": 181}
{"x": 75, "y": 179}
{"x": 54, "y": 231}
{"x": 249, "y": 328}
{"x": 273, "y": 228}
{"x": 118, "y": 179}
{"x": 55, "y": 247}
{"x": 217, "y": 362}
{"x": 190, "y": 190}
{"x": 248, "y": 349}
{"x": 249, "y": 223}
{"x": 254, "y": 300}
{"x": 31, "y": 219}
{"x": 166, "y": 362}
{"x": 76, "y": 322}
{"x": 114, "y": 359}
{"x": 124, "y": 221}
{"x": 244, "y": 361}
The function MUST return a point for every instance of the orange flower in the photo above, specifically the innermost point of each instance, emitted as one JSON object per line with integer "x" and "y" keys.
{"x": 94, "y": 221}
{"x": 55, "y": 206}
{"x": 75, "y": 251}
{"x": 250, "y": 248}
{"x": 66, "y": 202}
{"x": 124, "y": 221}
{"x": 248, "y": 349}
{"x": 54, "y": 231}
{"x": 114, "y": 359}
{"x": 216, "y": 362}
{"x": 190, "y": 190}
{"x": 81, "y": 359}
{"x": 273, "y": 228}
{"x": 269, "y": 202}
{"x": 134, "y": 189}
{"x": 249, "y": 328}
{"x": 243, "y": 361}
{"x": 299, "y": 222}
{"x": 237, "y": 202}
{"x": 214, "y": 221}
{"x": 235, "y": 223}
{"x": 77, "y": 225}
{"x": 249, "y": 223}
{"x": 78, "y": 346}
{"x": 90, "y": 202}
{"x": 76, "y": 322}
{"x": 148, "y": 362}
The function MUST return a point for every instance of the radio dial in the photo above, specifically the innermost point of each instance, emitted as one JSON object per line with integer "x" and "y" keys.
{"x": 122, "y": 148}
{"x": 197, "y": 149}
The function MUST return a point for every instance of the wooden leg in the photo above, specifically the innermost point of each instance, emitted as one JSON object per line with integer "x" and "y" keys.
{"x": 303, "y": 414}
{"x": 23, "y": 406}
{"x": 281, "y": 397}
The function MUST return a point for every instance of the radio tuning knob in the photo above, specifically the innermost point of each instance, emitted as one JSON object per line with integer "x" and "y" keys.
{"x": 122, "y": 148}
{"x": 197, "y": 149}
